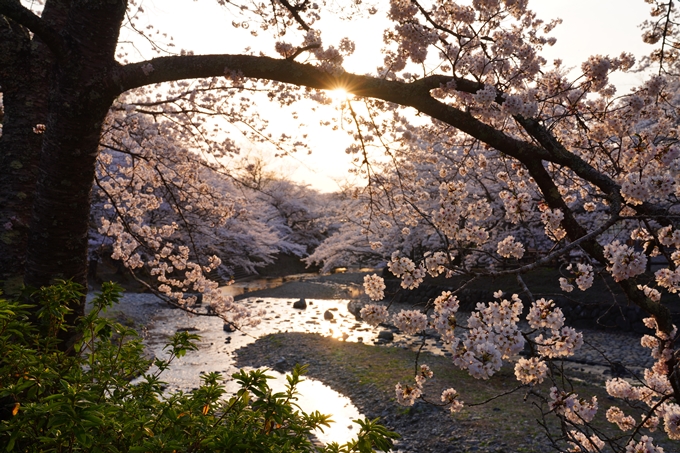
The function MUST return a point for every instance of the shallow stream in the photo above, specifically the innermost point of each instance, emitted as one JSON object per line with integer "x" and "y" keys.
{"x": 216, "y": 350}
{"x": 216, "y": 347}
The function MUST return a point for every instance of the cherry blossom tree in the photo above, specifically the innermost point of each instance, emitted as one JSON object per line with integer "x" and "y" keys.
{"x": 164, "y": 209}
{"x": 300, "y": 215}
{"x": 535, "y": 145}
{"x": 598, "y": 130}
{"x": 193, "y": 204}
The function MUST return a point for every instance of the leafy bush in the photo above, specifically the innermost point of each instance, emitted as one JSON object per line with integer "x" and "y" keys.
{"x": 103, "y": 396}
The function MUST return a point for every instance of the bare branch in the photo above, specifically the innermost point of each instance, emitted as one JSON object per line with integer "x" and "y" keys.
{"x": 295, "y": 12}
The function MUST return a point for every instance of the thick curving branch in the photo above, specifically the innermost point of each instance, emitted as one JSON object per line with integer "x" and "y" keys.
{"x": 574, "y": 230}
{"x": 13, "y": 10}
{"x": 414, "y": 94}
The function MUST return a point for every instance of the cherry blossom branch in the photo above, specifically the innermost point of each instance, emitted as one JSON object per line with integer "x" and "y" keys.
{"x": 295, "y": 12}
{"x": 437, "y": 26}
{"x": 664, "y": 35}
{"x": 660, "y": 312}
{"x": 414, "y": 94}
{"x": 300, "y": 50}
{"x": 560, "y": 252}
{"x": 495, "y": 397}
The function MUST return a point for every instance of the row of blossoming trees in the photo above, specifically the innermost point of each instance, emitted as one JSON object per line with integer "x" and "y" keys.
{"x": 514, "y": 154}
{"x": 181, "y": 222}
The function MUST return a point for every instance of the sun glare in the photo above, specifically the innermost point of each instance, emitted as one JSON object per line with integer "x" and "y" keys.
{"x": 339, "y": 94}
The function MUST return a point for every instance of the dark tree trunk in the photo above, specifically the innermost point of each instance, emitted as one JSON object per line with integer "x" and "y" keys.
{"x": 25, "y": 65}
{"x": 24, "y": 91}
{"x": 78, "y": 103}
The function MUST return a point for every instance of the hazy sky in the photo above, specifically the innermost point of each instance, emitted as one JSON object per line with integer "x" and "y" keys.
{"x": 589, "y": 27}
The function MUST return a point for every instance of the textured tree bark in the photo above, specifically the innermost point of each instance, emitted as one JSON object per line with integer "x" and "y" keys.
{"x": 25, "y": 65}
{"x": 24, "y": 102}
{"x": 79, "y": 99}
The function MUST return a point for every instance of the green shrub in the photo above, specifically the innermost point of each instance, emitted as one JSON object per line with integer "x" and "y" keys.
{"x": 86, "y": 400}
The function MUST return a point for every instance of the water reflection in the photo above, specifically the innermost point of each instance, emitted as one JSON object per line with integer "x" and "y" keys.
{"x": 216, "y": 351}
{"x": 256, "y": 284}
{"x": 252, "y": 284}
{"x": 315, "y": 396}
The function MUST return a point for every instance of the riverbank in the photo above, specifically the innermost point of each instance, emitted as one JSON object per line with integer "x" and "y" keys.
{"x": 367, "y": 374}
{"x": 620, "y": 347}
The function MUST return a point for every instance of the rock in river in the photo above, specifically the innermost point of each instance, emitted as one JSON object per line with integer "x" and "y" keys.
{"x": 354, "y": 307}
{"x": 281, "y": 365}
{"x": 300, "y": 304}
{"x": 386, "y": 335}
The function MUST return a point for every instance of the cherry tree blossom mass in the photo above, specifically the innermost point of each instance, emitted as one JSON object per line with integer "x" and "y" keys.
{"x": 201, "y": 29}
{"x": 477, "y": 145}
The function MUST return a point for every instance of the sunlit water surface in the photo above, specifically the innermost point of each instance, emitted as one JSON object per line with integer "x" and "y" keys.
{"x": 216, "y": 347}
{"x": 216, "y": 351}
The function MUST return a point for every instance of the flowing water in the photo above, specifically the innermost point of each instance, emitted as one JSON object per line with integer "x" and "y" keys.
{"x": 256, "y": 284}
{"x": 216, "y": 348}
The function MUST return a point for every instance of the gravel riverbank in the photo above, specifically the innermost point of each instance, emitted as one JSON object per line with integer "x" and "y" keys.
{"x": 424, "y": 428}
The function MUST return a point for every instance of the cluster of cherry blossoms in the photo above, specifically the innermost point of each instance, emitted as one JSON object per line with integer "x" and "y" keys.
{"x": 404, "y": 268}
{"x": 492, "y": 333}
{"x": 531, "y": 371}
{"x": 374, "y": 287}
{"x": 509, "y": 248}
{"x": 645, "y": 445}
{"x": 517, "y": 206}
{"x": 444, "y": 315}
{"x": 555, "y": 339}
{"x": 574, "y": 409}
{"x": 665, "y": 277}
{"x": 492, "y": 336}
{"x": 410, "y": 322}
{"x": 551, "y": 219}
{"x": 584, "y": 277}
{"x": 654, "y": 389}
{"x": 407, "y": 394}
{"x": 330, "y": 58}
{"x": 624, "y": 261}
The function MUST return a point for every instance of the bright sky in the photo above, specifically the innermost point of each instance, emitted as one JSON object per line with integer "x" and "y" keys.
{"x": 589, "y": 27}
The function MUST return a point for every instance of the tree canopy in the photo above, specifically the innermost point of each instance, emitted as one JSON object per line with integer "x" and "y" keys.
{"x": 515, "y": 154}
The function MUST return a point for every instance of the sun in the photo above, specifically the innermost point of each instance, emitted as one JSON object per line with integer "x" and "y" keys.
{"x": 339, "y": 95}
